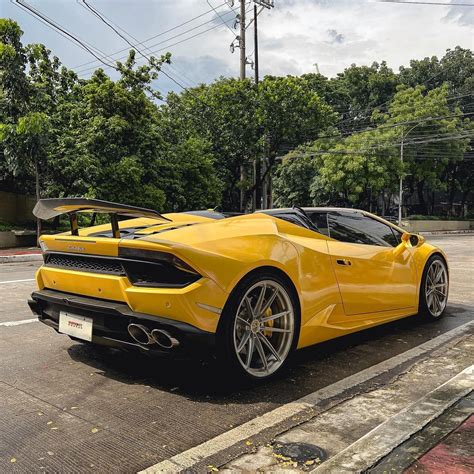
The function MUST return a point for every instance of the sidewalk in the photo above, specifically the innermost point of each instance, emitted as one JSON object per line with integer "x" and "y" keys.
{"x": 20, "y": 254}
{"x": 418, "y": 422}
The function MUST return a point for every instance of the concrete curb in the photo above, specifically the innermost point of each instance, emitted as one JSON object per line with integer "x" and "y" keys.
{"x": 29, "y": 257}
{"x": 448, "y": 232}
{"x": 379, "y": 442}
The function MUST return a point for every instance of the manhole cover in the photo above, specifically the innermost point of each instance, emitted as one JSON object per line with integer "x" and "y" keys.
{"x": 300, "y": 452}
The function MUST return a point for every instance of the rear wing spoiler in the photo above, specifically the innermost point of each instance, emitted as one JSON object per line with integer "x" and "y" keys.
{"x": 49, "y": 208}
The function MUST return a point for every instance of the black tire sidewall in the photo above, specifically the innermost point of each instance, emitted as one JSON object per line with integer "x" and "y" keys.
{"x": 423, "y": 305}
{"x": 225, "y": 337}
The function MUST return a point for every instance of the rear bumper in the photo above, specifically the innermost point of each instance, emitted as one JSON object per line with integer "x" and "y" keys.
{"x": 111, "y": 319}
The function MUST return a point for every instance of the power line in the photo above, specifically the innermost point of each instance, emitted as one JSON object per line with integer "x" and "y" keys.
{"x": 160, "y": 34}
{"x": 350, "y": 132}
{"x": 159, "y": 43}
{"x": 109, "y": 24}
{"x": 62, "y": 31}
{"x": 163, "y": 48}
{"x": 97, "y": 13}
{"x": 424, "y": 140}
{"x": 221, "y": 18}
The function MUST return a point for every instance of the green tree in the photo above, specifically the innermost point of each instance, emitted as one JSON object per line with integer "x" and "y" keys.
{"x": 431, "y": 130}
{"x": 292, "y": 180}
{"x": 358, "y": 171}
{"x": 224, "y": 114}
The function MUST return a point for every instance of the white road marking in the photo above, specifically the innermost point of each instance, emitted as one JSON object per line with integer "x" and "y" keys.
{"x": 17, "y": 281}
{"x": 19, "y": 323}
{"x": 187, "y": 459}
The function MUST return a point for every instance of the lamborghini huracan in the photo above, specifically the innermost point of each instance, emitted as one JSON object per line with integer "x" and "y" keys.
{"x": 249, "y": 289}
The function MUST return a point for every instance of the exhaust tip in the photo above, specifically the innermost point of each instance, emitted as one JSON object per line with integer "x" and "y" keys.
{"x": 164, "y": 339}
{"x": 140, "y": 334}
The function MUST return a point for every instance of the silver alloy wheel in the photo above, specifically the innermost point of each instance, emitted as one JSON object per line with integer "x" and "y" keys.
{"x": 436, "y": 288}
{"x": 264, "y": 328}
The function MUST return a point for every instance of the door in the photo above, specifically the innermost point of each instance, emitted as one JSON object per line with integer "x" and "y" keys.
{"x": 374, "y": 273}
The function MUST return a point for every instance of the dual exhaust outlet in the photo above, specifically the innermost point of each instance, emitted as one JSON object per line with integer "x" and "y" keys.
{"x": 143, "y": 336}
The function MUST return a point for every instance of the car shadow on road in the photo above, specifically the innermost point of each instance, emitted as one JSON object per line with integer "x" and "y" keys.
{"x": 310, "y": 369}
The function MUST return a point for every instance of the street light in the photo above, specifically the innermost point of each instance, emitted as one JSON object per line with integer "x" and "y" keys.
{"x": 400, "y": 197}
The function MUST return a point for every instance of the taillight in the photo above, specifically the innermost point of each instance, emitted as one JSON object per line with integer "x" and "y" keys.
{"x": 156, "y": 269}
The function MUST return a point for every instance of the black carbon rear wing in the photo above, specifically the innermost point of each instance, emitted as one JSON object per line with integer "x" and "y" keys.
{"x": 49, "y": 208}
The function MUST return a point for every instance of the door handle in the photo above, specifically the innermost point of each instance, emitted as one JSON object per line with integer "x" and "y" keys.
{"x": 343, "y": 261}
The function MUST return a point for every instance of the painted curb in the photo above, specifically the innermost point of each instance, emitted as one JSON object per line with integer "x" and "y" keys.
{"x": 31, "y": 257}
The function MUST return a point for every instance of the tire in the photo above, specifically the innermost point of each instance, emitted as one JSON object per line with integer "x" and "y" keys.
{"x": 434, "y": 288}
{"x": 275, "y": 330}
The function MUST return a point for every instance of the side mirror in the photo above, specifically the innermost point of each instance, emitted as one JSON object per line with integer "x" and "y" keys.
{"x": 415, "y": 240}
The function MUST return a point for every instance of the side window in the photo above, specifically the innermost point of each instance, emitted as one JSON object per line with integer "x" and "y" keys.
{"x": 293, "y": 218}
{"x": 356, "y": 228}
{"x": 320, "y": 220}
{"x": 397, "y": 237}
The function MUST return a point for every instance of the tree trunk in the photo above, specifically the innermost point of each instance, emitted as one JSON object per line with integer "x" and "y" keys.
{"x": 452, "y": 194}
{"x": 420, "y": 188}
{"x": 465, "y": 195}
{"x": 38, "y": 197}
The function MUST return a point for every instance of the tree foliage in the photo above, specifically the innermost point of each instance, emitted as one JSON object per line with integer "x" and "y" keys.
{"x": 216, "y": 143}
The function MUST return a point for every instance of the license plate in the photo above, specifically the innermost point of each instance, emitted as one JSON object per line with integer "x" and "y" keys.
{"x": 74, "y": 325}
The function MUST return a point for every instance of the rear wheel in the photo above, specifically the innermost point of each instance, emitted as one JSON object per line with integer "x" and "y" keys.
{"x": 260, "y": 326}
{"x": 434, "y": 288}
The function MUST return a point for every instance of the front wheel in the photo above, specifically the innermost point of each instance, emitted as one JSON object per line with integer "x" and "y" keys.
{"x": 260, "y": 326}
{"x": 434, "y": 288}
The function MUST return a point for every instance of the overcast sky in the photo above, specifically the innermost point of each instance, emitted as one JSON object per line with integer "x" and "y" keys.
{"x": 294, "y": 36}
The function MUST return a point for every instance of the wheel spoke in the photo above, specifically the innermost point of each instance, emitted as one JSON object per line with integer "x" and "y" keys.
{"x": 269, "y": 302}
{"x": 249, "y": 308}
{"x": 243, "y": 341}
{"x": 242, "y": 320}
{"x": 258, "y": 305}
{"x": 270, "y": 347}
{"x": 261, "y": 353}
{"x": 274, "y": 329}
{"x": 274, "y": 316}
{"x": 250, "y": 352}
{"x": 429, "y": 300}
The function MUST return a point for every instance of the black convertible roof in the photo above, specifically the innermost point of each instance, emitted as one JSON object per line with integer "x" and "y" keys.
{"x": 49, "y": 208}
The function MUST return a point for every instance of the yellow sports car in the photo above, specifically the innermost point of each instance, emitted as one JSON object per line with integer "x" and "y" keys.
{"x": 249, "y": 288}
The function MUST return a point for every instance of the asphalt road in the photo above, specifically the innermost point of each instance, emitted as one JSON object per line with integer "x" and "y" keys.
{"x": 68, "y": 407}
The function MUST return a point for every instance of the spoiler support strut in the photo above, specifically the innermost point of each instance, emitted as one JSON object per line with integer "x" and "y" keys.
{"x": 115, "y": 226}
{"x": 74, "y": 224}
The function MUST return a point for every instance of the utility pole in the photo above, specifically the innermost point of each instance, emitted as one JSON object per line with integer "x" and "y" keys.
{"x": 243, "y": 64}
{"x": 255, "y": 41}
{"x": 243, "y": 57}
{"x": 256, "y": 164}
{"x": 400, "y": 192}
{"x": 260, "y": 194}
{"x": 402, "y": 145}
